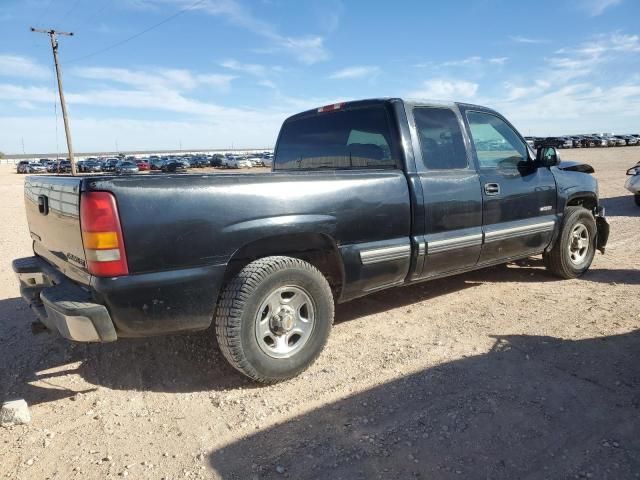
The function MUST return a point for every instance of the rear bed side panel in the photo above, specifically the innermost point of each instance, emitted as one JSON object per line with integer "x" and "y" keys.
{"x": 161, "y": 302}
{"x": 180, "y": 221}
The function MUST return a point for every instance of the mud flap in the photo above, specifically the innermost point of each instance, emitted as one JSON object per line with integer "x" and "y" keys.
{"x": 602, "y": 226}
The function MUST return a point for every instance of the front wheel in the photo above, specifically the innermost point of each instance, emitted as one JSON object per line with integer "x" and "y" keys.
{"x": 575, "y": 247}
{"x": 274, "y": 318}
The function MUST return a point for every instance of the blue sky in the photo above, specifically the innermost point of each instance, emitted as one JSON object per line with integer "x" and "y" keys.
{"x": 227, "y": 72}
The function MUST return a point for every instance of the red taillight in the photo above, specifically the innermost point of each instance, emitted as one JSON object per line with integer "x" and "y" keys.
{"x": 102, "y": 235}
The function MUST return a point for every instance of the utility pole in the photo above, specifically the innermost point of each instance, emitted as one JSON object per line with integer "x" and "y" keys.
{"x": 53, "y": 35}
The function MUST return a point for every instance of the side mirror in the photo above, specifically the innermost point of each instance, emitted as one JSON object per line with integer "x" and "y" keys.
{"x": 547, "y": 157}
{"x": 634, "y": 170}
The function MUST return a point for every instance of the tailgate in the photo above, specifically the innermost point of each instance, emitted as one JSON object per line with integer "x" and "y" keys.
{"x": 53, "y": 213}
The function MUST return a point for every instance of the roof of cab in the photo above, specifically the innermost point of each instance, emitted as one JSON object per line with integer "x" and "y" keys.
{"x": 411, "y": 102}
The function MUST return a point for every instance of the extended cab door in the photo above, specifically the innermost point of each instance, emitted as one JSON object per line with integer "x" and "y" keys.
{"x": 451, "y": 237}
{"x": 518, "y": 199}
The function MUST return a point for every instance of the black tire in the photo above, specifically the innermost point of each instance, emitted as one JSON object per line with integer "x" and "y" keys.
{"x": 239, "y": 306}
{"x": 636, "y": 197}
{"x": 558, "y": 260}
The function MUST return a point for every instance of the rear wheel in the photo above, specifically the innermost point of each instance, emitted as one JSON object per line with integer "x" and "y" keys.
{"x": 575, "y": 247}
{"x": 274, "y": 318}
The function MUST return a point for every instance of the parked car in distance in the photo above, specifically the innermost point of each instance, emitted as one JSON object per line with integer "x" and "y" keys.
{"x": 633, "y": 182}
{"x": 616, "y": 141}
{"x": 25, "y": 166}
{"x": 578, "y": 142}
{"x": 125, "y": 166}
{"x": 21, "y": 167}
{"x": 589, "y": 141}
{"x": 143, "y": 165}
{"x": 173, "y": 166}
{"x": 64, "y": 166}
{"x": 155, "y": 163}
{"x": 367, "y": 195}
{"x": 601, "y": 141}
{"x": 565, "y": 142}
{"x": 109, "y": 164}
{"x": 216, "y": 160}
{"x": 555, "y": 142}
{"x": 91, "y": 166}
{"x": 237, "y": 161}
{"x": 256, "y": 161}
{"x": 628, "y": 139}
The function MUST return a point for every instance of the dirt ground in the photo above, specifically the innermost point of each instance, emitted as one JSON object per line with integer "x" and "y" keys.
{"x": 502, "y": 373}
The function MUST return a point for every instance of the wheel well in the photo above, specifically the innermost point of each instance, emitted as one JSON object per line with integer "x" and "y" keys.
{"x": 587, "y": 202}
{"x": 317, "y": 249}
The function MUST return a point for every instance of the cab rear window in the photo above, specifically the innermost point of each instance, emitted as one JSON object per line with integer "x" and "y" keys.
{"x": 352, "y": 138}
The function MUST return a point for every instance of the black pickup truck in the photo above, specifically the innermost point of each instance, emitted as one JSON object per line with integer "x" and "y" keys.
{"x": 363, "y": 196}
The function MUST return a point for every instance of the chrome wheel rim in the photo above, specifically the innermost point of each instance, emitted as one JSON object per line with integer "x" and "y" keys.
{"x": 284, "y": 321}
{"x": 578, "y": 243}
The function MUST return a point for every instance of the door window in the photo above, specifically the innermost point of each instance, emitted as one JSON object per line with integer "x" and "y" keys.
{"x": 497, "y": 145}
{"x": 440, "y": 138}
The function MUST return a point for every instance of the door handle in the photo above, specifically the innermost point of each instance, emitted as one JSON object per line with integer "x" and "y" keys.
{"x": 492, "y": 189}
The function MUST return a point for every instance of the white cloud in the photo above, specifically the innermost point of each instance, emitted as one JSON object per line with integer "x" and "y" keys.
{"x": 597, "y": 7}
{"x": 530, "y": 40}
{"x": 19, "y": 66}
{"x": 268, "y": 83}
{"x": 574, "y": 62}
{"x": 155, "y": 78}
{"x": 475, "y": 61}
{"x": 518, "y": 92}
{"x": 444, "y": 89}
{"x": 19, "y": 93}
{"x": 463, "y": 63}
{"x": 307, "y": 49}
{"x": 355, "y": 72}
{"x": 250, "y": 68}
{"x": 498, "y": 60}
{"x": 576, "y": 108}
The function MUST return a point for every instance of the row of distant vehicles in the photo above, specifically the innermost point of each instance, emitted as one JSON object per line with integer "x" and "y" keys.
{"x": 166, "y": 163}
{"x": 585, "y": 141}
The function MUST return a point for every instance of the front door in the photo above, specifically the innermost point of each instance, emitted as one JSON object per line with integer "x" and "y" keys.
{"x": 452, "y": 236}
{"x": 518, "y": 198}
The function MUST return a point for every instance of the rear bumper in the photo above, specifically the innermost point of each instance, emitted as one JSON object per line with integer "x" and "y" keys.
{"x": 62, "y": 305}
{"x": 141, "y": 305}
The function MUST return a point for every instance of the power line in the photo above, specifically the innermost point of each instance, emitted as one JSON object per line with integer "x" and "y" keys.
{"x": 73, "y": 7}
{"x": 46, "y": 10}
{"x": 55, "y": 108}
{"x": 91, "y": 17}
{"x": 139, "y": 34}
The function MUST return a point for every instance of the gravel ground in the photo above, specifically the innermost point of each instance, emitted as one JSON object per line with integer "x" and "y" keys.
{"x": 501, "y": 373}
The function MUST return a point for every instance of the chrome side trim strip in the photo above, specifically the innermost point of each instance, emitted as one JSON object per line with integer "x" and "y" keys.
{"x": 385, "y": 254}
{"x": 422, "y": 249}
{"x": 447, "y": 244}
{"x": 506, "y": 233}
